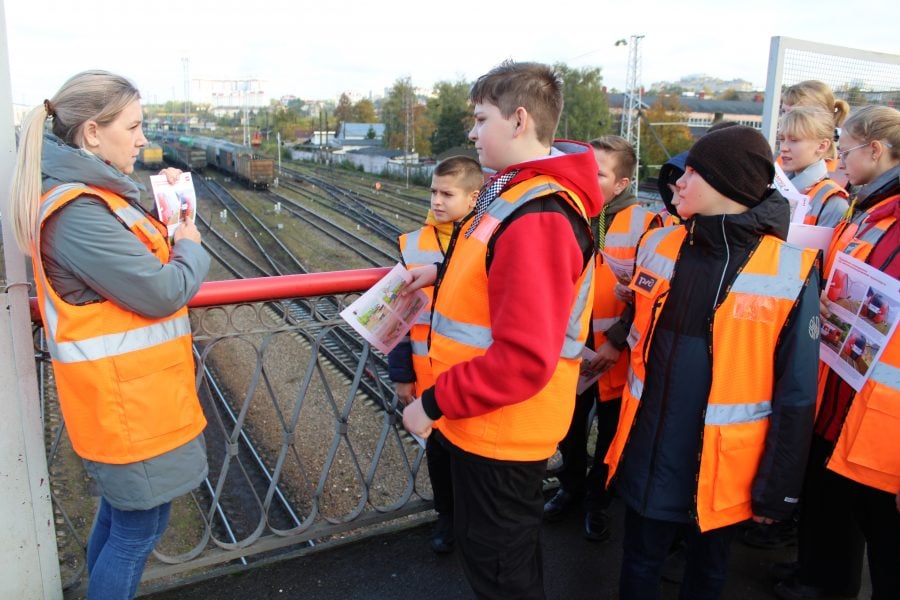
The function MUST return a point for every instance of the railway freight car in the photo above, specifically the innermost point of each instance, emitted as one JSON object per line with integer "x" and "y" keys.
{"x": 150, "y": 156}
{"x": 239, "y": 162}
{"x": 182, "y": 151}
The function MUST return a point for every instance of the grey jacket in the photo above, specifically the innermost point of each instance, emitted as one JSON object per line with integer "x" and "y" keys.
{"x": 90, "y": 256}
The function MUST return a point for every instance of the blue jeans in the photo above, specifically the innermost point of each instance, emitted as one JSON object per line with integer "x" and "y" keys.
{"x": 121, "y": 541}
{"x": 647, "y": 542}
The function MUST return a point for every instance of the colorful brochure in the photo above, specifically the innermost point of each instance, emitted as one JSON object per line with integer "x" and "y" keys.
{"x": 381, "y": 315}
{"x": 175, "y": 203}
{"x": 865, "y": 307}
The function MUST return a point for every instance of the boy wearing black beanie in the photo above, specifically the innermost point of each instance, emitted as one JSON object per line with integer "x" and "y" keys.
{"x": 717, "y": 417}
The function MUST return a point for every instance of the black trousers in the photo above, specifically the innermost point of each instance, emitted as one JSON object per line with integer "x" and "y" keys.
{"x": 438, "y": 459}
{"x": 573, "y": 448}
{"x": 497, "y": 512}
{"x": 840, "y": 517}
{"x": 646, "y": 544}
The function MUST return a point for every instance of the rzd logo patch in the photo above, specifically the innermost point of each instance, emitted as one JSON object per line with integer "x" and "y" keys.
{"x": 645, "y": 281}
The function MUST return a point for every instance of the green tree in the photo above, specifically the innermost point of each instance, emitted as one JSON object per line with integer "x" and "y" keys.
{"x": 343, "y": 112}
{"x": 669, "y": 137}
{"x": 405, "y": 121}
{"x": 586, "y": 110}
{"x": 729, "y": 94}
{"x": 451, "y": 114}
{"x": 364, "y": 112}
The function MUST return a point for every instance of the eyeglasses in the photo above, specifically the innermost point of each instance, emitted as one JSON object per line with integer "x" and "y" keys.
{"x": 842, "y": 155}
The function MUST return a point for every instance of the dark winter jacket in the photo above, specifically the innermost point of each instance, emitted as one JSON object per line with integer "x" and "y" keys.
{"x": 657, "y": 475}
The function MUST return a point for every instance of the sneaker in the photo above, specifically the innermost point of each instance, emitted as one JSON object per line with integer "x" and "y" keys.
{"x": 794, "y": 590}
{"x": 596, "y": 526}
{"x": 442, "y": 539}
{"x": 557, "y": 506}
{"x": 776, "y": 535}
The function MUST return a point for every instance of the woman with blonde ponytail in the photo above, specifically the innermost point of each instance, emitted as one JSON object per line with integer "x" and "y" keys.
{"x": 112, "y": 294}
{"x": 816, "y": 93}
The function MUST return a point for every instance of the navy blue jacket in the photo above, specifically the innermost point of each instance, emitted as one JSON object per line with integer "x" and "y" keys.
{"x": 657, "y": 475}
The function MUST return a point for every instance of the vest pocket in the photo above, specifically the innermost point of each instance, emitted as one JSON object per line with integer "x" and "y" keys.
{"x": 156, "y": 389}
{"x": 869, "y": 444}
{"x": 740, "y": 448}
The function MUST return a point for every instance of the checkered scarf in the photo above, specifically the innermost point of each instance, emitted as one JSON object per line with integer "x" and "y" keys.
{"x": 488, "y": 194}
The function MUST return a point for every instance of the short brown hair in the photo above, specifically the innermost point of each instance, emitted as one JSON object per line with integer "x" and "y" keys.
{"x": 621, "y": 149}
{"x": 466, "y": 170}
{"x": 534, "y": 86}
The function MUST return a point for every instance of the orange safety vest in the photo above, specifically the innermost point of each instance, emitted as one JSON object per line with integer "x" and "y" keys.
{"x": 461, "y": 331}
{"x": 819, "y": 194}
{"x": 866, "y": 450}
{"x": 125, "y": 382}
{"x": 751, "y": 317}
{"x": 419, "y": 248}
{"x": 622, "y": 236}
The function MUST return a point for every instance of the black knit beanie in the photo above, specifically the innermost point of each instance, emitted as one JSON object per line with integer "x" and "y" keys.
{"x": 736, "y": 161}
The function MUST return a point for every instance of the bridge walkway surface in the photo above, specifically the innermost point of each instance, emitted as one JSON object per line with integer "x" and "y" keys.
{"x": 399, "y": 565}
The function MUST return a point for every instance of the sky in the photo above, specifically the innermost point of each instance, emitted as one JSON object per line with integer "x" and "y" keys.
{"x": 318, "y": 50}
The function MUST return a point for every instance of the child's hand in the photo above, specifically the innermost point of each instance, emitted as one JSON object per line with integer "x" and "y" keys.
{"x": 415, "y": 420}
{"x": 421, "y": 277}
{"x": 607, "y": 356}
{"x": 404, "y": 392}
{"x": 624, "y": 293}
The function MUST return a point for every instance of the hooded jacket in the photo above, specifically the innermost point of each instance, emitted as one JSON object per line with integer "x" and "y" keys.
{"x": 89, "y": 256}
{"x": 657, "y": 451}
{"x": 536, "y": 258}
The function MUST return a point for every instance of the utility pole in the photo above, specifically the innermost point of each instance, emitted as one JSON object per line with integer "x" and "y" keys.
{"x": 186, "y": 64}
{"x": 631, "y": 107}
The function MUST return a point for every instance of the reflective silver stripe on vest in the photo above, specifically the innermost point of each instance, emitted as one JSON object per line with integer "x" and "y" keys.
{"x": 886, "y": 374}
{"x": 872, "y": 234}
{"x": 500, "y": 209}
{"x": 818, "y": 199}
{"x": 419, "y": 348}
{"x": 424, "y": 318}
{"x": 601, "y": 325}
{"x": 115, "y": 344}
{"x": 634, "y": 336}
{"x": 572, "y": 347}
{"x": 630, "y": 238}
{"x": 785, "y": 284}
{"x": 412, "y": 255}
{"x": 635, "y": 385}
{"x": 652, "y": 260}
{"x": 464, "y": 333}
{"x": 731, "y": 414}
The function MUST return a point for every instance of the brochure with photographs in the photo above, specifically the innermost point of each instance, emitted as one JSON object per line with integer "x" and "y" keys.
{"x": 864, "y": 308}
{"x": 382, "y": 316}
{"x": 174, "y": 202}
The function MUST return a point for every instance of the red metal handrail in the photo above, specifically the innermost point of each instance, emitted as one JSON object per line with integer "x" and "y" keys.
{"x": 259, "y": 289}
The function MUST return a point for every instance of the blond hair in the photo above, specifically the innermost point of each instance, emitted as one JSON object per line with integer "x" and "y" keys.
{"x": 871, "y": 123}
{"x": 88, "y": 96}
{"x": 816, "y": 93}
{"x": 809, "y": 123}
{"x": 533, "y": 86}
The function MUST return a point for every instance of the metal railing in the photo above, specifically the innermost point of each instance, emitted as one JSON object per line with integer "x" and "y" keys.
{"x": 304, "y": 438}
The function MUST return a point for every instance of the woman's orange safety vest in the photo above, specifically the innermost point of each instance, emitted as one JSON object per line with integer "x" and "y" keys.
{"x": 622, "y": 237}
{"x": 751, "y": 317}
{"x": 420, "y": 248}
{"x": 461, "y": 331}
{"x": 125, "y": 382}
{"x": 866, "y": 450}
{"x": 818, "y": 196}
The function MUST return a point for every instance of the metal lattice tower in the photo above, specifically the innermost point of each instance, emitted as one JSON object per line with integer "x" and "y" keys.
{"x": 631, "y": 116}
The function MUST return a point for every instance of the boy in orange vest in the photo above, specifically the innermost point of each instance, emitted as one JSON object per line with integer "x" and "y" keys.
{"x": 510, "y": 320}
{"x": 718, "y": 410}
{"x": 616, "y": 232}
{"x": 455, "y": 184}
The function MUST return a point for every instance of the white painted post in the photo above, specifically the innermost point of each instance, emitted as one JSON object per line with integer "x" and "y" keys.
{"x": 29, "y": 566}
